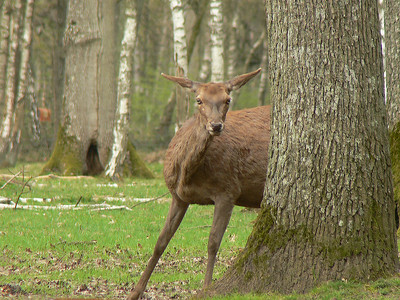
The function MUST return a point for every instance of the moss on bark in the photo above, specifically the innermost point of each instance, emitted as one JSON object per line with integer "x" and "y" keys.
{"x": 395, "y": 157}
{"x": 135, "y": 166}
{"x": 65, "y": 158}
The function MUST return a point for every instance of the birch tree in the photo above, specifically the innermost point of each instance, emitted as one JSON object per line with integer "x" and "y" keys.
{"x": 121, "y": 123}
{"x": 4, "y": 42}
{"x": 10, "y": 83}
{"x": 180, "y": 58}
{"x": 217, "y": 40}
{"x": 328, "y": 211}
{"x": 20, "y": 37}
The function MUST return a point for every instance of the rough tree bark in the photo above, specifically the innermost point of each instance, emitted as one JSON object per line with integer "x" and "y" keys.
{"x": 328, "y": 210}
{"x": 85, "y": 136}
{"x": 58, "y": 66}
{"x": 217, "y": 41}
{"x": 392, "y": 64}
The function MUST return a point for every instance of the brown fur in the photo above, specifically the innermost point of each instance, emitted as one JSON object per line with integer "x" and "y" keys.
{"x": 216, "y": 158}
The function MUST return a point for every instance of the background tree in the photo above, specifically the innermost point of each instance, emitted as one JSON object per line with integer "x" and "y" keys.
{"x": 85, "y": 135}
{"x": 217, "y": 38}
{"x": 392, "y": 71}
{"x": 121, "y": 124}
{"x": 328, "y": 211}
{"x": 19, "y": 37}
{"x": 181, "y": 60}
{"x": 392, "y": 59}
{"x": 150, "y": 126}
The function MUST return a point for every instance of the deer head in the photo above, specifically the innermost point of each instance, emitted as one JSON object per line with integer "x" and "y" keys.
{"x": 213, "y": 98}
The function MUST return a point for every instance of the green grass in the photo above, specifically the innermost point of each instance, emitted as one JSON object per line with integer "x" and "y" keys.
{"x": 87, "y": 253}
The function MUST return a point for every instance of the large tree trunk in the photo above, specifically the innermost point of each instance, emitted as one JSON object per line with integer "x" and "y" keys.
{"x": 85, "y": 136}
{"x": 58, "y": 70}
{"x": 328, "y": 211}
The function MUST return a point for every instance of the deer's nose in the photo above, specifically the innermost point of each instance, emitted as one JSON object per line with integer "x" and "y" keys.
{"x": 217, "y": 127}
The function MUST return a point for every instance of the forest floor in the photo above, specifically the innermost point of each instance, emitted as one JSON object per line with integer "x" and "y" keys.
{"x": 85, "y": 237}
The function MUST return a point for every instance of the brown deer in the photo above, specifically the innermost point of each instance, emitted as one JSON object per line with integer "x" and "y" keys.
{"x": 217, "y": 157}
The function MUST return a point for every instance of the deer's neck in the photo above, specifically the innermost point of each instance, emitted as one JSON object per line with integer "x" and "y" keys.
{"x": 189, "y": 150}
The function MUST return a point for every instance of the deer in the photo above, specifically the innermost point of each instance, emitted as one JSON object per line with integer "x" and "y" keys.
{"x": 218, "y": 157}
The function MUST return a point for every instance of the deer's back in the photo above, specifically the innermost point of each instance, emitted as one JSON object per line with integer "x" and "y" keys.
{"x": 233, "y": 165}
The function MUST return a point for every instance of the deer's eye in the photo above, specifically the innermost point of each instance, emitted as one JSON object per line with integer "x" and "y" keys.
{"x": 199, "y": 102}
{"x": 228, "y": 101}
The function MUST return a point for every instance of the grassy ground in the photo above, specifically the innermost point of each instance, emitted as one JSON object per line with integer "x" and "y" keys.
{"x": 101, "y": 253}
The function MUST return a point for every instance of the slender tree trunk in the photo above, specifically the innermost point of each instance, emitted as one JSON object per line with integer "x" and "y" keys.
{"x": 392, "y": 59}
{"x": 205, "y": 69}
{"x": 4, "y": 42}
{"x": 250, "y": 55}
{"x": 34, "y": 124}
{"x": 24, "y": 51}
{"x": 166, "y": 118}
{"x": 232, "y": 55}
{"x": 263, "y": 90}
{"x": 7, "y": 142}
{"x": 217, "y": 41}
{"x": 181, "y": 62}
{"x": 392, "y": 64}
{"x": 121, "y": 123}
{"x": 328, "y": 211}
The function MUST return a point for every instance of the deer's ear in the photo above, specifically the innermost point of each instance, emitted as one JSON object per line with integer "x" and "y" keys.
{"x": 183, "y": 82}
{"x": 240, "y": 80}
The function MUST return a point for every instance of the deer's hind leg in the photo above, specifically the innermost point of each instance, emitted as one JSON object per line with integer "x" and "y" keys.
{"x": 222, "y": 215}
{"x": 175, "y": 215}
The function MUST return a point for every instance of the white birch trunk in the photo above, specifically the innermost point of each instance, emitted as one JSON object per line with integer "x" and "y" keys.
{"x": 180, "y": 47}
{"x": 206, "y": 64}
{"x": 181, "y": 63}
{"x": 23, "y": 55}
{"x": 232, "y": 47}
{"x": 10, "y": 84}
{"x": 25, "y": 51}
{"x": 33, "y": 110}
{"x": 124, "y": 92}
{"x": 217, "y": 39}
{"x": 4, "y": 40}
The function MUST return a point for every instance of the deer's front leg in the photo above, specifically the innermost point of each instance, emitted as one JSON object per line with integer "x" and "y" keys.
{"x": 222, "y": 215}
{"x": 175, "y": 215}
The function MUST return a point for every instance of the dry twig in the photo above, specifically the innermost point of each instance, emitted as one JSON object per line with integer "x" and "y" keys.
{"x": 151, "y": 200}
{"x": 11, "y": 179}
